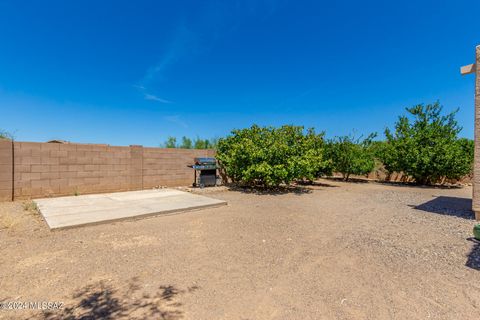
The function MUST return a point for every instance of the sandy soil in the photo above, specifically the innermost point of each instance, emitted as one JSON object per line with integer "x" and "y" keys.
{"x": 336, "y": 251}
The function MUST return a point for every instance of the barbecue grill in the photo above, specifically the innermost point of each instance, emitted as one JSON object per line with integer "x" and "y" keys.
{"x": 204, "y": 172}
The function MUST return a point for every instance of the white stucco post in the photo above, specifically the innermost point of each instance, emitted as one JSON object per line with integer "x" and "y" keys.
{"x": 476, "y": 170}
{"x": 475, "y": 68}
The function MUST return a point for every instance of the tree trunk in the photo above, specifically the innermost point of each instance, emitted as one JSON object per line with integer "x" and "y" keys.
{"x": 388, "y": 176}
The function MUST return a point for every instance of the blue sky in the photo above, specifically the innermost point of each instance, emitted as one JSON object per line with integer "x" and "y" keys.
{"x": 135, "y": 72}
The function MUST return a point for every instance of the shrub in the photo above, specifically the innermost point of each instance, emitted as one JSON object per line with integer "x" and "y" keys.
{"x": 425, "y": 146}
{"x": 267, "y": 156}
{"x": 351, "y": 156}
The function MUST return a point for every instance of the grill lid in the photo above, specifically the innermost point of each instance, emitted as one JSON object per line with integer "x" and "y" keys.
{"x": 203, "y": 160}
{"x": 203, "y": 167}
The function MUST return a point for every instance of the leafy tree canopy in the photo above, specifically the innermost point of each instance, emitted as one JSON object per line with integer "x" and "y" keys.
{"x": 268, "y": 156}
{"x": 425, "y": 145}
{"x": 187, "y": 143}
{"x": 170, "y": 143}
{"x": 351, "y": 155}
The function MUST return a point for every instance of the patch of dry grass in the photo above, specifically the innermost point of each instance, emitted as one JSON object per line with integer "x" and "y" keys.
{"x": 10, "y": 218}
{"x": 31, "y": 207}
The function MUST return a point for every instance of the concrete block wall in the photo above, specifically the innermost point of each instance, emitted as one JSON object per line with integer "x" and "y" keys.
{"x": 168, "y": 167}
{"x": 52, "y": 169}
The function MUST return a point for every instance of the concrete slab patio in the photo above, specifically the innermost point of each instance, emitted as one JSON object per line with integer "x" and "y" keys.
{"x": 75, "y": 211}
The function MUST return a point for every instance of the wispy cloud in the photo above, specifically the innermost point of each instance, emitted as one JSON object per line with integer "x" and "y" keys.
{"x": 152, "y": 97}
{"x": 212, "y": 23}
{"x": 183, "y": 42}
{"x": 176, "y": 120}
{"x": 149, "y": 96}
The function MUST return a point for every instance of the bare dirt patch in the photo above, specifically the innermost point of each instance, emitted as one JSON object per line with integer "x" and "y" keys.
{"x": 338, "y": 251}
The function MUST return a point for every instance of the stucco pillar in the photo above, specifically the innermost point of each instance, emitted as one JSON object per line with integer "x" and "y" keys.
{"x": 476, "y": 169}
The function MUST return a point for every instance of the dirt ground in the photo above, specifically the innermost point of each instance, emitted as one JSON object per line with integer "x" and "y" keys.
{"x": 332, "y": 251}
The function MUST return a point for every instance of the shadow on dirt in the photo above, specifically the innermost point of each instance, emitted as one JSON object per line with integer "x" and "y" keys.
{"x": 297, "y": 190}
{"x": 473, "y": 259}
{"x": 396, "y": 183}
{"x": 315, "y": 184}
{"x": 415, "y": 185}
{"x": 350, "y": 180}
{"x": 451, "y": 206}
{"x": 102, "y": 301}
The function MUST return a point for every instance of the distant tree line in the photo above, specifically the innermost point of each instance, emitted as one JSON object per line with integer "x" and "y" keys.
{"x": 423, "y": 146}
{"x": 187, "y": 143}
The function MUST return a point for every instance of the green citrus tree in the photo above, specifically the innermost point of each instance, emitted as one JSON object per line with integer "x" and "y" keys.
{"x": 269, "y": 157}
{"x": 425, "y": 146}
{"x": 350, "y": 155}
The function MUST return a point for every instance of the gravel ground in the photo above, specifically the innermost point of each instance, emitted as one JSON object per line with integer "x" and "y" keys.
{"x": 332, "y": 251}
